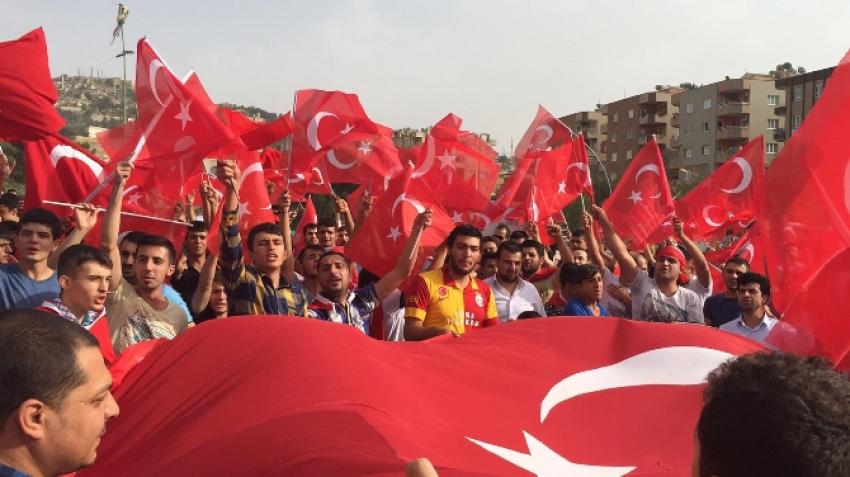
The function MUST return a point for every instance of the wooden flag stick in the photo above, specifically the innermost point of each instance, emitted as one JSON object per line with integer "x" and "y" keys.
{"x": 128, "y": 214}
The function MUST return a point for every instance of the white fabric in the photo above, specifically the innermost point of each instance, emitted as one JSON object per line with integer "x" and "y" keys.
{"x": 650, "y": 304}
{"x": 759, "y": 333}
{"x": 524, "y": 298}
{"x": 695, "y": 286}
{"x": 393, "y": 317}
{"x": 614, "y": 306}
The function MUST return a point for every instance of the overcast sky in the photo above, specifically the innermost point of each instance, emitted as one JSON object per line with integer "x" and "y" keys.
{"x": 490, "y": 62}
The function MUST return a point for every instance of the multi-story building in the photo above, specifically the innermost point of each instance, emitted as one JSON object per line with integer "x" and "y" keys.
{"x": 715, "y": 120}
{"x": 801, "y": 93}
{"x": 631, "y": 122}
{"x": 591, "y": 123}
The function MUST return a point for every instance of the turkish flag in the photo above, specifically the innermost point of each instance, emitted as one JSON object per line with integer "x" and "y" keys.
{"x": 641, "y": 201}
{"x": 27, "y": 93}
{"x": 544, "y": 133}
{"x": 748, "y": 246}
{"x": 309, "y": 216}
{"x": 380, "y": 240}
{"x": 612, "y": 397}
{"x": 452, "y": 160}
{"x": 255, "y": 135}
{"x": 732, "y": 193}
{"x": 60, "y": 170}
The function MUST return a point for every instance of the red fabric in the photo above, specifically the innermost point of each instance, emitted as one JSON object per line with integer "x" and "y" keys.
{"x": 27, "y": 93}
{"x": 374, "y": 247}
{"x": 749, "y": 247}
{"x": 452, "y": 160}
{"x": 308, "y": 217}
{"x": 544, "y": 133}
{"x": 286, "y": 394}
{"x": 60, "y": 170}
{"x": 710, "y": 206}
{"x": 580, "y": 176}
{"x": 100, "y": 330}
{"x": 118, "y": 143}
{"x": 255, "y": 135}
{"x": 641, "y": 201}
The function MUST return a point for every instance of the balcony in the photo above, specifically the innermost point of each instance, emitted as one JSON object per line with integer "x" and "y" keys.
{"x": 779, "y": 135}
{"x": 732, "y": 85}
{"x": 733, "y": 109}
{"x": 674, "y": 142}
{"x": 779, "y": 110}
{"x": 642, "y": 140}
{"x": 603, "y": 128}
{"x": 733, "y": 133}
{"x": 674, "y": 121}
{"x": 650, "y": 98}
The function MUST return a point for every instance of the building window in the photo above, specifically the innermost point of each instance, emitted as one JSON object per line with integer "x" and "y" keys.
{"x": 798, "y": 93}
{"x": 629, "y": 134}
{"x": 706, "y": 150}
{"x": 705, "y": 127}
{"x": 795, "y": 123}
{"x": 613, "y": 137}
{"x": 631, "y": 114}
{"x": 689, "y": 108}
{"x": 688, "y": 153}
{"x": 689, "y": 128}
{"x": 706, "y": 103}
{"x": 771, "y": 148}
{"x": 629, "y": 155}
{"x": 818, "y": 89}
{"x": 772, "y": 124}
{"x": 616, "y": 117}
{"x": 613, "y": 157}
{"x": 773, "y": 100}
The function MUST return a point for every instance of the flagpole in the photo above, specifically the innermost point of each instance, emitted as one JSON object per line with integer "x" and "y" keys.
{"x": 602, "y": 166}
{"x": 128, "y": 214}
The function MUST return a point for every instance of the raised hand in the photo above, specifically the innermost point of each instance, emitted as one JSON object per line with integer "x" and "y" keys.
{"x": 85, "y": 216}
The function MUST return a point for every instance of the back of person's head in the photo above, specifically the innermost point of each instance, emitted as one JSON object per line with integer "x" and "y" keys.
{"x": 38, "y": 358}
{"x": 567, "y": 272}
{"x": 771, "y": 414}
{"x": 753, "y": 277}
{"x": 464, "y": 230}
{"x": 42, "y": 217}
{"x": 9, "y": 200}
{"x": 581, "y": 273}
{"x": 159, "y": 241}
{"x": 265, "y": 227}
{"x": 528, "y": 314}
{"x": 535, "y": 245}
{"x": 76, "y": 255}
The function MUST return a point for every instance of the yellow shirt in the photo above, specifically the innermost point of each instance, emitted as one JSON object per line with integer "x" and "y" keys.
{"x": 438, "y": 302}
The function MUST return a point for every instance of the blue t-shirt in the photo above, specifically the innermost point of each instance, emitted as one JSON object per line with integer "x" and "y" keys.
{"x": 6, "y": 471}
{"x": 576, "y": 307}
{"x": 20, "y": 291}
{"x": 720, "y": 309}
{"x": 173, "y": 296}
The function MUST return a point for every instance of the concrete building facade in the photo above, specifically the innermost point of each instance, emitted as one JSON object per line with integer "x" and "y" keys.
{"x": 592, "y": 124}
{"x": 801, "y": 93}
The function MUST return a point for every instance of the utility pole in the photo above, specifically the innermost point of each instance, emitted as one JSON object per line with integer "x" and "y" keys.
{"x": 123, "y": 11}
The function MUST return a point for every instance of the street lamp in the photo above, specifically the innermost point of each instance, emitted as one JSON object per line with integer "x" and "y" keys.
{"x": 123, "y": 12}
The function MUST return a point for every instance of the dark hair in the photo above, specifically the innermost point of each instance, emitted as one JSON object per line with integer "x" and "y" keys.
{"x": 465, "y": 230}
{"x": 327, "y": 223}
{"x": 133, "y": 237}
{"x": 158, "y": 241}
{"x": 753, "y": 277}
{"x": 535, "y": 245}
{"x": 42, "y": 217}
{"x": 489, "y": 238}
{"x": 333, "y": 252}
{"x": 579, "y": 233}
{"x": 265, "y": 227}
{"x": 38, "y": 358}
{"x": 489, "y": 256}
{"x": 769, "y": 414}
{"x": 9, "y": 200}
{"x": 566, "y": 272}
{"x": 76, "y": 255}
{"x": 311, "y": 225}
{"x": 582, "y": 273}
{"x": 8, "y": 230}
{"x": 508, "y": 246}
{"x": 315, "y": 248}
{"x": 518, "y": 234}
{"x": 197, "y": 227}
{"x": 502, "y": 226}
{"x": 736, "y": 260}
{"x": 528, "y": 314}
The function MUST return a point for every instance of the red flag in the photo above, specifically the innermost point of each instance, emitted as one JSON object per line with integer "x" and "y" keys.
{"x": 748, "y": 247}
{"x": 309, "y": 216}
{"x": 614, "y": 397}
{"x": 255, "y": 135}
{"x": 60, "y": 170}
{"x": 641, "y": 200}
{"x": 732, "y": 193}
{"x": 380, "y": 240}
{"x": 27, "y": 93}
{"x": 545, "y": 132}
{"x": 452, "y": 160}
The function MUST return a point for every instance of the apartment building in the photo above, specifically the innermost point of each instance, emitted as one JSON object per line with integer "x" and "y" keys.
{"x": 632, "y": 121}
{"x": 592, "y": 124}
{"x": 715, "y": 120}
{"x": 801, "y": 92}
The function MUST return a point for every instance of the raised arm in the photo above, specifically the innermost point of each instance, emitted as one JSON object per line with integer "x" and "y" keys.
{"x": 700, "y": 263}
{"x": 112, "y": 222}
{"x": 366, "y": 203}
{"x": 594, "y": 252}
{"x": 209, "y": 202}
{"x": 628, "y": 267}
{"x": 407, "y": 260}
{"x": 201, "y": 297}
{"x": 554, "y": 231}
{"x": 231, "y": 242}
{"x": 284, "y": 203}
{"x": 85, "y": 217}
{"x": 534, "y": 233}
{"x": 342, "y": 208}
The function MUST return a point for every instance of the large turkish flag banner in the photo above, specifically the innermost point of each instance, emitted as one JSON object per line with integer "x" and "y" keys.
{"x": 295, "y": 397}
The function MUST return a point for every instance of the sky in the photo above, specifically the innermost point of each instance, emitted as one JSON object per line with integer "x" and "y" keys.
{"x": 411, "y": 63}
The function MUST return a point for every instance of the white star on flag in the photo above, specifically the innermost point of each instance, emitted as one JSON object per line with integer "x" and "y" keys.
{"x": 394, "y": 233}
{"x": 635, "y": 197}
{"x": 347, "y": 129}
{"x": 365, "y": 147}
{"x": 183, "y": 115}
{"x": 446, "y": 160}
{"x": 456, "y": 217}
{"x": 243, "y": 209}
{"x": 134, "y": 198}
{"x": 562, "y": 187}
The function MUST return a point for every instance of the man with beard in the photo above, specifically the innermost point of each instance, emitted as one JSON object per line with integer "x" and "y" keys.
{"x": 450, "y": 300}
{"x": 262, "y": 287}
{"x": 196, "y": 255}
{"x": 723, "y": 307}
{"x": 753, "y": 296}
{"x": 658, "y": 298}
{"x": 308, "y": 259}
{"x": 513, "y": 295}
{"x": 543, "y": 279}
{"x": 338, "y": 304}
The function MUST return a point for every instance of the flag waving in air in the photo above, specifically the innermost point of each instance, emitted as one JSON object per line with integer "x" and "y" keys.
{"x": 544, "y": 133}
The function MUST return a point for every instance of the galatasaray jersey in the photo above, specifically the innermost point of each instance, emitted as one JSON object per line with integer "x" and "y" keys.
{"x": 437, "y": 301}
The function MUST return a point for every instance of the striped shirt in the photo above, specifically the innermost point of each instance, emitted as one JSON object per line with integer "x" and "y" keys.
{"x": 251, "y": 292}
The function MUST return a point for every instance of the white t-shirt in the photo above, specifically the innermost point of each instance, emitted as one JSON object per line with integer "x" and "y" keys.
{"x": 393, "y": 317}
{"x": 524, "y": 298}
{"x": 695, "y": 286}
{"x": 650, "y": 304}
{"x": 614, "y": 306}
